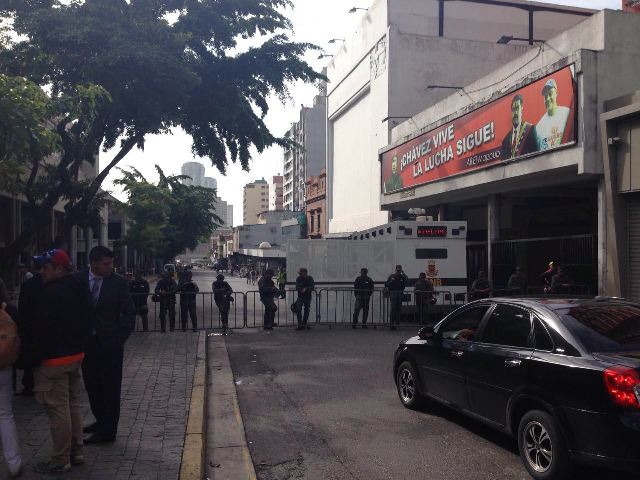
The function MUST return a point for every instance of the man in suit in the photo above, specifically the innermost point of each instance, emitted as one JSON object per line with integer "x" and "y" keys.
{"x": 112, "y": 320}
{"x": 522, "y": 139}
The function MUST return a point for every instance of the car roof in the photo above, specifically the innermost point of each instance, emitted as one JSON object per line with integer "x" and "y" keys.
{"x": 560, "y": 302}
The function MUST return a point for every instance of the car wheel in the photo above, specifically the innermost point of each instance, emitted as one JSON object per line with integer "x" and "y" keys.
{"x": 407, "y": 383}
{"x": 542, "y": 447}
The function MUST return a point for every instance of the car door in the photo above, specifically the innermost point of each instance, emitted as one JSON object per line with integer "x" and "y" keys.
{"x": 442, "y": 362}
{"x": 496, "y": 364}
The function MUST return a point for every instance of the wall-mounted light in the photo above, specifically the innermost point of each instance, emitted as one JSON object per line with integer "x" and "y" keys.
{"x": 334, "y": 40}
{"x": 324, "y": 55}
{"x": 355, "y": 9}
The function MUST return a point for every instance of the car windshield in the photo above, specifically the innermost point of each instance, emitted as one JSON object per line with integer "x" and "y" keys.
{"x": 605, "y": 327}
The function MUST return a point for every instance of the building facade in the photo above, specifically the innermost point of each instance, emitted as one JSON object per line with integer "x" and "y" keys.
{"x": 255, "y": 200}
{"x": 309, "y": 156}
{"x": 316, "y": 207}
{"x": 538, "y": 159}
{"x": 195, "y": 172}
{"x": 275, "y": 193}
{"x": 405, "y": 56}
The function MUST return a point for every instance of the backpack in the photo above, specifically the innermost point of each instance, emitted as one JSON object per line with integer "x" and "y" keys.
{"x": 9, "y": 339}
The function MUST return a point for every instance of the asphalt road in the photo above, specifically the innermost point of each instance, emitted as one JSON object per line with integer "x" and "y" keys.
{"x": 322, "y": 405}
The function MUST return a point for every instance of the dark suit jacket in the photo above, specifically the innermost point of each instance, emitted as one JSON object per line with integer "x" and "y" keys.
{"x": 528, "y": 144}
{"x": 113, "y": 317}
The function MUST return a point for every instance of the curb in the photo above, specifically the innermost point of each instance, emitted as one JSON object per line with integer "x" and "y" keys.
{"x": 193, "y": 452}
{"x": 228, "y": 455}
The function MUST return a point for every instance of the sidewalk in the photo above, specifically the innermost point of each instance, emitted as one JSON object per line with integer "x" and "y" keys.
{"x": 156, "y": 390}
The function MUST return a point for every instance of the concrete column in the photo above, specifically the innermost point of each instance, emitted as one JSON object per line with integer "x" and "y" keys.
{"x": 602, "y": 236}
{"x": 493, "y": 229}
{"x": 73, "y": 245}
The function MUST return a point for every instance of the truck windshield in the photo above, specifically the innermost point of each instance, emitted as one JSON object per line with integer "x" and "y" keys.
{"x": 605, "y": 327}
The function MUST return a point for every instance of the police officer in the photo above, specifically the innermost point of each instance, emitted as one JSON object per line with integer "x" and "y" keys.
{"x": 362, "y": 289}
{"x": 423, "y": 291}
{"x": 304, "y": 286}
{"x": 166, "y": 288}
{"x": 395, "y": 286}
{"x": 268, "y": 292}
{"x": 222, "y": 295}
{"x": 139, "y": 289}
{"x": 188, "y": 290}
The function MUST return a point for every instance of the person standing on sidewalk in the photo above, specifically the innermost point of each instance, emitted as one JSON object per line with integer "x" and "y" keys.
{"x": 362, "y": 289}
{"x": 166, "y": 288}
{"x": 188, "y": 300}
{"x": 222, "y": 295}
{"x": 268, "y": 291}
{"x": 30, "y": 292}
{"x": 60, "y": 333}
{"x": 304, "y": 286}
{"x": 281, "y": 278}
{"x": 9, "y": 350}
{"x": 139, "y": 289}
{"x": 113, "y": 317}
{"x": 395, "y": 286}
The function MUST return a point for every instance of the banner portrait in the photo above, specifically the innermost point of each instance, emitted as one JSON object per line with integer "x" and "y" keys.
{"x": 531, "y": 120}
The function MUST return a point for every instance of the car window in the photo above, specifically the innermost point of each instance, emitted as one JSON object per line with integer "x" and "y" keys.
{"x": 464, "y": 325}
{"x": 542, "y": 339}
{"x": 605, "y": 327}
{"x": 509, "y": 326}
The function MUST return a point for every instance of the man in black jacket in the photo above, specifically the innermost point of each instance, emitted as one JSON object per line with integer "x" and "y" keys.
{"x": 362, "y": 289}
{"x": 268, "y": 292}
{"x": 304, "y": 286}
{"x": 112, "y": 320}
{"x": 139, "y": 289}
{"x": 222, "y": 295}
{"x": 395, "y": 286}
{"x": 60, "y": 331}
{"x": 30, "y": 292}
{"x": 166, "y": 288}
{"x": 188, "y": 299}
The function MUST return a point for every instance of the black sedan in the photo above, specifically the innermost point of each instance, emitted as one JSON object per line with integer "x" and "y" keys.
{"x": 560, "y": 375}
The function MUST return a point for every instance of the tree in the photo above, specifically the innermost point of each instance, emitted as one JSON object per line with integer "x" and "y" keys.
{"x": 119, "y": 70}
{"x": 167, "y": 218}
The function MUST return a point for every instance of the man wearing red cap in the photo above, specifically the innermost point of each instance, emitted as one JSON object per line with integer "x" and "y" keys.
{"x": 60, "y": 333}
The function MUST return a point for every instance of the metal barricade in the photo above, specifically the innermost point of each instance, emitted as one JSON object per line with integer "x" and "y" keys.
{"x": 284, "y": 316}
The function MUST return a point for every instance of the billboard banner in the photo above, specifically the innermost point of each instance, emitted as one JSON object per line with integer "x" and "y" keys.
{"x": 531, "y": 120}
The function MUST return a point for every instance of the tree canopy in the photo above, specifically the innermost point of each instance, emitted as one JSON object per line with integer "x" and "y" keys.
{"x": 116, "y": 71}
{"x": 166, "y": 218}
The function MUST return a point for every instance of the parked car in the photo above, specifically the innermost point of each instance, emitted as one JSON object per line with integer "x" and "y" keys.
{"x": 560, "y": 375}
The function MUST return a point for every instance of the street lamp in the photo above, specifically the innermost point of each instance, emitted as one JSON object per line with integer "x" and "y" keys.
{"x": 504, "y": 39}
{"x": 324, "y": 55}
{"x": 355, "y": 9}
{"x": 334, "y": 40}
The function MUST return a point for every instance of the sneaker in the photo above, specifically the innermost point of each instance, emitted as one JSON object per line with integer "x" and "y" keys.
{"x": 50, "y": 466}
{"x": 77, "y": 459}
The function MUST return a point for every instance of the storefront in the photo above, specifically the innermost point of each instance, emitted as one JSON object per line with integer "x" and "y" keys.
{"x": 518, "y": 155}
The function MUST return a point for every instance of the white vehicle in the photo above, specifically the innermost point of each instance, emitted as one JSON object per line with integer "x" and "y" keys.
{"x": 436, "y": 248}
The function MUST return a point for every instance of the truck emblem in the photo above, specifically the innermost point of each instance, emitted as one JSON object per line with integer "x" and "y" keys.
{"x": 432, "y": 271}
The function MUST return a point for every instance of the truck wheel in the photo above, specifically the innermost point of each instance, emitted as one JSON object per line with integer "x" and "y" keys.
{"x": 542, "y": 447}
{"x": 407, "y": 383}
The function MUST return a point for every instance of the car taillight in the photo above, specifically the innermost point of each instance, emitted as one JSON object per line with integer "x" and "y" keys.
{"x": 623, "y": 385}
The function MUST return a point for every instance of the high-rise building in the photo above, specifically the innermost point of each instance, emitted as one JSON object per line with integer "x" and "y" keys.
{"x": 230, "y": 222}
{"x": 195, "y": 170}
{"x": 310, "y": 157}
{"x": 210, "y": 182}
{"x": 255, "y": 201}
{"x": 275, "y": 193}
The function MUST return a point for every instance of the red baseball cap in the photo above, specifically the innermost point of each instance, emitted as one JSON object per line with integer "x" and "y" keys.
{"x": 56, "y": 256}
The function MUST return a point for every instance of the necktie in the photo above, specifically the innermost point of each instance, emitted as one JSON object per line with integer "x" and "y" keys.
{"x": 95, "y": 290}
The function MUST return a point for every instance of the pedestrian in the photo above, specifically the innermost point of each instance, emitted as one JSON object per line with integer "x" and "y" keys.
{"x": 139, "y": 289}
{"x": 547, "y": 276}
{"x": 268, "y": 291}
{"x": 188, "y": 301}
{"x": 423, "y": 292}
{"x": 254, "y": 276}
{"x": 30, "y": 292}
{"x": 395, "y": 286}
{"x": 166, "y": 288}
{"x": 248, "y": 275}
{"x": 561, "y": 282}
{"x": 9, "y": 350}
{"x": 518, "y": 280}
{"x": 223, "y": 296}
{"x": 362, "y": 290}
{"x": 281, "y": 278}
{"x": 60, "y": 335}
{"x": 113, "y": 317}
{"x": 481, "y": 287}
{"x": 305, "y": 285}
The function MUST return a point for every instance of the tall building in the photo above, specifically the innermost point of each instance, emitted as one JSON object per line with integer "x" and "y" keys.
{"x": 230, "y": 222}
{"x": 255, "y": 201}
{"x": 275, "y": 193}
{"x": 309, "y": 157}
{"x": 195, "y": 170}
{"x": 210, "y": 182}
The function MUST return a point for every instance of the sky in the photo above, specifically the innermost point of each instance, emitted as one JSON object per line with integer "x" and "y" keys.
{"x": 314, "y": 21}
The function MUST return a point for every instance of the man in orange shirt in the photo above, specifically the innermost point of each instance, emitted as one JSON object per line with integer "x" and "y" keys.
{"x": 60, "y": 333}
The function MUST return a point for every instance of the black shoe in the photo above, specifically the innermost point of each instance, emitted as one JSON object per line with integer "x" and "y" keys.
{"x": 90, "y": 428}
{"x": 27, "y": 392}
{"x": 99, "y": 438}
{"x": 299, "y": 327}
{"x": 308, "y": 327}
{"x": 392, "y": 327}
{"x": 364, "y": 326}
{"x": 353, "y": 326}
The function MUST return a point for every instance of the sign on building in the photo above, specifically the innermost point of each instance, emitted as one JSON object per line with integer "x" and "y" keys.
{"x": 528, "y": 121}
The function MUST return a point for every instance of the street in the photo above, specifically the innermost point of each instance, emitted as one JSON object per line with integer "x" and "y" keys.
{"x": 322, "y": 405}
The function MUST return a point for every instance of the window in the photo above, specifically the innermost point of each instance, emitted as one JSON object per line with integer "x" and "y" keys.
{"x": 510, "y": 326}
{"x": 431, "y": 253}
{"x": 319, "y": 222}
{"x": 542, "y": 338}
{"x": 464, "y": 325}
{"x": 311, "y": 218}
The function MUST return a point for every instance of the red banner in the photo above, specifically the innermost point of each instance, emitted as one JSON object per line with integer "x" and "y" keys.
{"x": 528, "y": 121}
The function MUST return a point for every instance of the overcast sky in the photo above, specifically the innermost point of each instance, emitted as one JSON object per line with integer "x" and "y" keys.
{"x": 314, "y": 21}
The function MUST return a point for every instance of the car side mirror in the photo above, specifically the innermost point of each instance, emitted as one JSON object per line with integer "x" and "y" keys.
{"x": 426, "y": 333}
